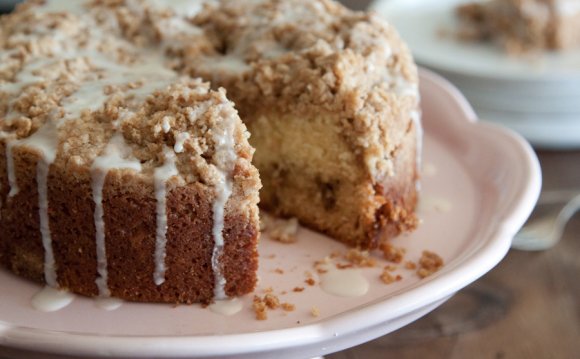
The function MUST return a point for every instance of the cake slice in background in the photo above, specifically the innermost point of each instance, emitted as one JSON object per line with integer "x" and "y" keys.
{"x": 523, "y": 25}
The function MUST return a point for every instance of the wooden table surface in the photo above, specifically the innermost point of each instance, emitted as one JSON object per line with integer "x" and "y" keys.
{"x": 526, "y": 307}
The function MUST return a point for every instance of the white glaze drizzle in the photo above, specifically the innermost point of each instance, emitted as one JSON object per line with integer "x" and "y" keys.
{"x": 227, "y": 307}
{"x": 45, "y": 141}
{"x": 161, "y": 176}
{"x": 117, "y": 155}
{"x": 180, "y": 140}
{"x": 50, "y": 299}
{"x": 50, "y": 275}
{"x": 230, "y": 63}
{"x": 224, "y": 190}
{"x": 89, "y": 96}
{"x": 108, "y": 303}
{"x": 225, "y": 157}
{"x": 12, "y": 180}
{"x": 344, "y": 282}
{"x": 26, "y": 76}
{"x": 165, "y": 125}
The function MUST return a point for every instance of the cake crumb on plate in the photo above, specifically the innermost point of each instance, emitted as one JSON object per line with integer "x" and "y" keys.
{"x": 315, "y": 311}
{"x": 429, "y": 263}
{"x": 392, "y": 253}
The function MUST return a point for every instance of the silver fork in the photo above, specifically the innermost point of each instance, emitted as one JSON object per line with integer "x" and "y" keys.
{"x": 543, "y": 233}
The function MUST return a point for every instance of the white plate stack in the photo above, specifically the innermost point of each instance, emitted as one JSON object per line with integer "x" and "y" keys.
{"x": 537, "y": 95}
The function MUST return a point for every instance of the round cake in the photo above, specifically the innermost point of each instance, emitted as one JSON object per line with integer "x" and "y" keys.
{"x": 126, "y": 171}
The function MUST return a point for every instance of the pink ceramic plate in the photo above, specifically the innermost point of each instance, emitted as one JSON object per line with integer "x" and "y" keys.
{"x": 480, "y": 183}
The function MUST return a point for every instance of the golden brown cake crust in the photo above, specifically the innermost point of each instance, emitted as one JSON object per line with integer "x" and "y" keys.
{"x": 130, "y": 237}
{"x": 80, "y": 89}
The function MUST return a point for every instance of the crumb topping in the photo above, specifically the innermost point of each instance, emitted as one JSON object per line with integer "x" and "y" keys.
{"x": 269, "y": 302}
{"x": 283, "y": 230}
{"x": 360, "y": 258}
{"x": 392, "y": 262}
{"x": 288, "y": 307}
{"x": 298, "y": 56}
{"x": 429, "y": 263}
{"x": 389, "y": 278}
{"x": 392, "y": 253}
{"x": 99, "y": 67}
{"x": 95, "y": 63}
{"x": 278, "y": 229}
{"x": 260, "y": 308}
{"x": 315, "y": 311}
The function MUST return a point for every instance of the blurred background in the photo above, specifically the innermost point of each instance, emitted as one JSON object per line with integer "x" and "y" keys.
{"x": 7, "y": 5}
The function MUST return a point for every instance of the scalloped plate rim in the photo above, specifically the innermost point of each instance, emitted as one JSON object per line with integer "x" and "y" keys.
{"x": 313, "y": 337}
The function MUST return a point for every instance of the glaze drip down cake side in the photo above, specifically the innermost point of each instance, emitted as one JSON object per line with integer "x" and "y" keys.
{"x": 126, "y": 171}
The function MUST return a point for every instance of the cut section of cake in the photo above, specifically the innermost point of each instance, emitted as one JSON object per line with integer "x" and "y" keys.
{"x": 120, "y": 178}
{"x": 331, "y": 99}
{"x": 523, "y": 25}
